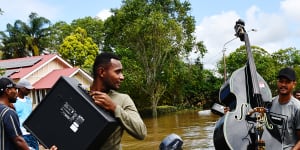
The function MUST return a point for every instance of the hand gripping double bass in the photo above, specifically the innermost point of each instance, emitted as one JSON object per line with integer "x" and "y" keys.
{"x": 247, "y": 125}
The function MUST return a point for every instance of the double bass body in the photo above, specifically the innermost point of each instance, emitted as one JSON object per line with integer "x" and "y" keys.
{"x": 234, "y": 130}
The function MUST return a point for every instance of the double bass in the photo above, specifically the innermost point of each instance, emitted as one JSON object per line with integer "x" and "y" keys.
{"x": 248, "y": 124}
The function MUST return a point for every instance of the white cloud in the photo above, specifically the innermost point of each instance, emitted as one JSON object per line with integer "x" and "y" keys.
{"x": 291, "y": 8}
{"x": 272, "y": 29}
{"x": 273, "y": 33}
{"x": 215, "y": 31}
{"x": 104, "y": 14}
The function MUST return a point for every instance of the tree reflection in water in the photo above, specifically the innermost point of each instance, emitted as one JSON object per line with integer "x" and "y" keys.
{"x": 195, "y": 128}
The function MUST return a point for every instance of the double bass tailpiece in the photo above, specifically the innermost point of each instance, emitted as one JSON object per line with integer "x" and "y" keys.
{"x": 261, "y": 121}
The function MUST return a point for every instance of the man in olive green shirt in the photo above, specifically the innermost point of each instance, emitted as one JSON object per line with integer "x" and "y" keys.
{"x": 107, "y": 72}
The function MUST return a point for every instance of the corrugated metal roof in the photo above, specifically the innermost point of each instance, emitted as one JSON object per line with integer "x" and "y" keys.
{"x": 20, "y": 63}
{"x": 26, "y": 71}
{"x": 49, "y": 80}
{"x": 8, "y": 73}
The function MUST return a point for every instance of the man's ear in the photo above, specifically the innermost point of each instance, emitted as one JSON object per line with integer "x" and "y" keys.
{"x": 295, "y": 84}
{"x": 101, "y": 71}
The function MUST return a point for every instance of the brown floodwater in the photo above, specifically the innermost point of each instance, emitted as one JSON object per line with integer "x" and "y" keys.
{"x": 194, "y": 127}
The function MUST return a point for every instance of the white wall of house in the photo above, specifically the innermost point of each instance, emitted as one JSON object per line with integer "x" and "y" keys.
{"x": 46, "y": 69}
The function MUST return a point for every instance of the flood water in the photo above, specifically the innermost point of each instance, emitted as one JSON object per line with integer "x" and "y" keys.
{"x": 194, "y": 127}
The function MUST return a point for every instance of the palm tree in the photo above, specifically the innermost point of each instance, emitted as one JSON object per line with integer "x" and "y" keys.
{"x": 30, "y": 38}
{"x": 13, "y": 43}
{"x": 36, "y": 33}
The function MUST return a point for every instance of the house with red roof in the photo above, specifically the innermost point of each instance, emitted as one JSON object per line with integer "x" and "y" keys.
{"x": 42, "y": 72}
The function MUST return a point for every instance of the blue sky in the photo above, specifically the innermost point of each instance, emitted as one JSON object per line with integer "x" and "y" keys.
{"x": 277, "y": 21}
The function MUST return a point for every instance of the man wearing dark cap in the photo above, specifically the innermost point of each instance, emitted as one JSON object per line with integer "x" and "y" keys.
{"x": 10, "y": 129}
{"x": 11, "y": 134}
{"x": 288, "y": 106}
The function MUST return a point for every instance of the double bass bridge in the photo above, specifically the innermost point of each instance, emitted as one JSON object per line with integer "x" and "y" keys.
{"x": 261, "y": 117}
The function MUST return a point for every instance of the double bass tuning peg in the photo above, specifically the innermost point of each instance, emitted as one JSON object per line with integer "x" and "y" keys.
{"x": 239, "y": 29}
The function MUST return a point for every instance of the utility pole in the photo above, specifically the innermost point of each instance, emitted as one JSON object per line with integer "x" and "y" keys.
{"x": 224, "y": 59}
{"x": 224, "y": 50}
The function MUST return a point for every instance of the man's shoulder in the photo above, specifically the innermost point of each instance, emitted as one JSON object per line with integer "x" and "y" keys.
{"x": 113, "y": 92}
{"x": 121, "y": 97}
{"x": 2, "y": 106}
{"x": 5, "y": 110}
{"x": 295, "y": 102}
{"x": 275, "y": 98}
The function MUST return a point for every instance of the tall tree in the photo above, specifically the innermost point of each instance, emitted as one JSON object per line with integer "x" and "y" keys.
{"x": 61, "y": 29}
{"x": 134, "y": 76}
{"x": 238, "y": 59}
{"x": 36, "y": 33}
{"x": 267, "y": 65}
{"x": 93, "y": 26}
{"x": 79, "y": 49}
{"x": 14, "y": 43}
{"x": 31, "y": 38}
{"x": 158, "y": 31}
{"x": 289, "y": 57}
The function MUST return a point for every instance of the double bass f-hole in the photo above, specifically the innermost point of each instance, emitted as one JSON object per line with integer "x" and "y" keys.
{"x": 243, "y": 109}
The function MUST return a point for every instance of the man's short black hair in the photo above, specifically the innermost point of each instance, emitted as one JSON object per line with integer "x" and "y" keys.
{"x": 103, "y": 60}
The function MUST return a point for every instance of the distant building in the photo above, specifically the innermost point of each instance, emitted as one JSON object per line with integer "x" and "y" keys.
{"x": 42, "y": 72}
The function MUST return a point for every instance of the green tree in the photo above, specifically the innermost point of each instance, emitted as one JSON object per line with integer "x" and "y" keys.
{"x": 61, "y": 29}
{"x": 289, "y": 57}
{"x": 194, "y": 86}
{"x": 174, "y": 76}
{"x": 93, "y": 26}
{"x": 265, "y": 64}
{"x": 79, "y": 49}
{"x": 158, "y": 32}
{"x": 36, "y": 33}
{"x": 14, "y": 44}
{"x": 133, "y": 73}
{"x": 32, "y": 38}
{"x": 205, "y": 87}
{"x": 189, "y": 85}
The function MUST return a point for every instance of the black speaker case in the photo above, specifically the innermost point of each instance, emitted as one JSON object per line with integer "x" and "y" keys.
{"x": 68, "y": 118}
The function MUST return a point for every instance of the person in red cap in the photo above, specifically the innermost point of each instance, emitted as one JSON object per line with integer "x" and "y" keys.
{"x": 287, "y": 105}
